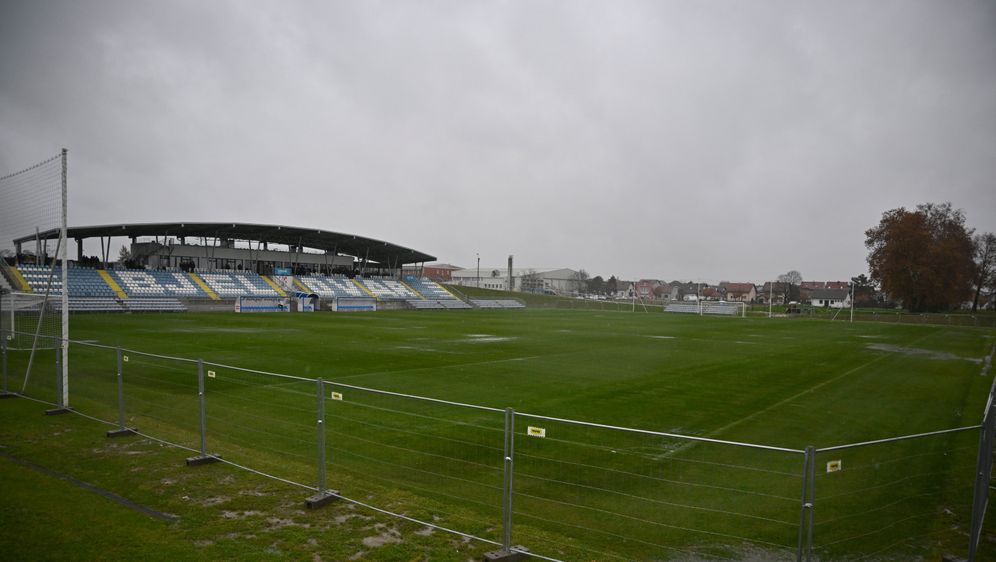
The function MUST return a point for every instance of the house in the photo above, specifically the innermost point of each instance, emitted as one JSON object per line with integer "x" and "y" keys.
{"x": 739, "y": 292}
{"x": 832, "y": 298}
{"x": 775, "y": 291}
{"x": 440, "y": 272}
{"x": 806, "y": 289}
{"x": 647, "y": 288}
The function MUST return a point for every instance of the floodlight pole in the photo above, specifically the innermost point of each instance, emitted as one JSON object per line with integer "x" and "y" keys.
{"x": 478, "y": 270}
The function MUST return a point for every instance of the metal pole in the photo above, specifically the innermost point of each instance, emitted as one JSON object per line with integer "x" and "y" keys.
{"x": 58, "y": 378}
{"x": 509, "y": 470}
{"x": 804, "y": 503}
{"x": 204, "y": 457}
{"x": 3, "y": 349}
{"x": 64, "y": 244}
{"x": 852, "y": 301}
{"x": 121, "y": 430}
{"x": 324, "y": 495}
{"x": 321, "y": 436}
{"x": 812, "y": 500}
{"x": 203, "y": 415}
{"x": 121, "y": 413}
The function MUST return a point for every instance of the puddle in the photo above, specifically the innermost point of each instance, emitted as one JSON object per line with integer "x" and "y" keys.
{"x": 917, "y": 352}
{"x": 485, "y": 338}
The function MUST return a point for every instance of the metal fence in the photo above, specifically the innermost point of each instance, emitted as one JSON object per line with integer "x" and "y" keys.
{"x": 556, "y": 488}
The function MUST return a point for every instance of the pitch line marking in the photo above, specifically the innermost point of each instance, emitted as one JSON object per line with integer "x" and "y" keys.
{"x": 785, "y": 401}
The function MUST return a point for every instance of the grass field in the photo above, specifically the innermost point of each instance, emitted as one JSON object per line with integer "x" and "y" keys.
{"x": 582, "y": 492}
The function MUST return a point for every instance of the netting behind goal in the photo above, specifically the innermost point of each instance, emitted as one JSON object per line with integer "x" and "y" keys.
{"x": 25, "y": 315}
{"x": 34, "y": 309}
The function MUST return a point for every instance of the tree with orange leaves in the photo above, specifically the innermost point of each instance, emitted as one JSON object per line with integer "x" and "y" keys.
{"x": 924, "y": 258}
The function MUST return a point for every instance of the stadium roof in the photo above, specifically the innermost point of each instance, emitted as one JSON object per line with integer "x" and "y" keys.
{"x": 378, "y": 251}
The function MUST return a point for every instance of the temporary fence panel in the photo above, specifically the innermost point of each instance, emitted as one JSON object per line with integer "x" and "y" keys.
{"x": 262, "y": 420}
{"x": 94, "y": 381}
{"x": 161, "y": 397}
{"x": 893, "y": 500}
{"x": 585, "y": 492}
{"x": 437, "y": 462}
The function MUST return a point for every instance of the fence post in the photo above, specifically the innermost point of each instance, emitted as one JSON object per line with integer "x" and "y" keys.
{"x": 204, "y": 457}
{"x": 323, "y": 496}
{"x": 60, "y": 407}
{"x": 4, "y": 393}
{"x": 805, "y": 547}
{"x": 983, "y": 477}
{"x": 506, "y": 554}
{"x": 121, "y": 430}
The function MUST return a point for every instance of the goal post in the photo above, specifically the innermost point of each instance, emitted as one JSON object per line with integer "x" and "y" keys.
{"x": 711, "y": 308}
{"x": 33, "y": 223}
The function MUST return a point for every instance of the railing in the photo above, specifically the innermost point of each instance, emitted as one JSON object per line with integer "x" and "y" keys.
{"x": 559, "y": 489}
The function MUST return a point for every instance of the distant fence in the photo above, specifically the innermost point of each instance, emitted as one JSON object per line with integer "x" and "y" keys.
{"x": 556, "y": 488}
{"x": 965, "y": 319}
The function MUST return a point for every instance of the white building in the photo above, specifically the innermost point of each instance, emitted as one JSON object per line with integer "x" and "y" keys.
{"x": 833, "y": 298}
{"x": 559, "y": 281}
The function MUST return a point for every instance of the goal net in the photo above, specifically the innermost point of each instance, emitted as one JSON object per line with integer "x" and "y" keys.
{"x": 35, "y": 309}
{"x": 30, "y": 320}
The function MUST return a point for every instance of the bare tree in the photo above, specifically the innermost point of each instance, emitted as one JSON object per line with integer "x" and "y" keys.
{"x": 531, "y": 282}
{"x": 790, "y": 285}
{"x": 579, "y": 282}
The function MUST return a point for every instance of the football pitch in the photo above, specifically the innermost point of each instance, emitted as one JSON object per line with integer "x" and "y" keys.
{"x": 581, "y": 491}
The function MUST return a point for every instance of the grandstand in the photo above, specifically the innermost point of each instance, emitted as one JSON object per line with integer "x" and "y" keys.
{"x": 389, "y": 289}
{"x": 171, "y": 273}
{"x": 428, "y": 288}
{"x": 330, "y": 287}
{"x": 235, "y": 284}
{"x": 37, "y": 277}
{"x": 153, "y": 283}
{"x": 141, "y": 290}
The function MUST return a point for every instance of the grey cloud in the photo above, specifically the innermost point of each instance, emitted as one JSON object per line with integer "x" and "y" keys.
{"x": 641, "y": 139}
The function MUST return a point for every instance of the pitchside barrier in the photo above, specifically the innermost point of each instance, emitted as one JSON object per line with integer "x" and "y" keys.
{"x": 557, "y": 489}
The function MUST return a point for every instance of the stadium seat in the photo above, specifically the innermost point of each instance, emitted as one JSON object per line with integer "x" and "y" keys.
{"x": 234, "y": 284}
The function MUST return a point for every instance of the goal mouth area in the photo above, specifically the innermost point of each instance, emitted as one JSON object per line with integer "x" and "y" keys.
{"x": 23, "y": 316}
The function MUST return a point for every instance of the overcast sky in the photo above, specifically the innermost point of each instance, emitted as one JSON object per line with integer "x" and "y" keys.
{"x": 694, "y": 140}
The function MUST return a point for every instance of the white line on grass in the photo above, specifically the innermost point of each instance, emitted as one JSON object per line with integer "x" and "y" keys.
{"x": 783, "y": 402}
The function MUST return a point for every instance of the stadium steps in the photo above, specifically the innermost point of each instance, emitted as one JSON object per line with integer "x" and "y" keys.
{"x": 25, "y": 287}
{"x": 112, "y": 284}
{"x": 273, "y": 284}
{"x": 364, "y": 289}
{"x": 413, "y": 289}
{"x": 200, "y": 283}
{"x": 300, "y": 285}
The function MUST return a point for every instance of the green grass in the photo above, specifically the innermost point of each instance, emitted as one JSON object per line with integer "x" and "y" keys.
{"x": 582, "y": 493}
